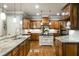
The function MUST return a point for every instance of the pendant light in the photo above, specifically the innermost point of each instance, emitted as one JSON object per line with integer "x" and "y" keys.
{"x": 14, "y": 18}
{"x": 3, "y": 14}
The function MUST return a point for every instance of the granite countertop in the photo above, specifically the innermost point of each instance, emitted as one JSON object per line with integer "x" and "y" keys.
{"x": 6, "y": 45}
{"x": 67, "y": 39}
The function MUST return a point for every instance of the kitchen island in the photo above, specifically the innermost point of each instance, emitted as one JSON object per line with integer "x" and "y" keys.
{"x": 46, "y": 39}
{"x": 65, "y": 46}
{"x": 15, "y": 47}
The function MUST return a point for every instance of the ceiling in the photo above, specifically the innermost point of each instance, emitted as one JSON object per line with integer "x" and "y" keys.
{"x": 29, "y": 8}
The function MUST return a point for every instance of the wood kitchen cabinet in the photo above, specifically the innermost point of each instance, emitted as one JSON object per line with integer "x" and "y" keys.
{"x": 72, "y": 11}
{"x": 15, "y": 52}
{"x": 27, "y": 46}
{"x": 66, "y": 49}
{"x": 58, "y": 48}
{"x": 35, "y": 37}
{"x": 24, "y": 47}
{"x": 55, "y": 25}
{"x": 66, "y": 12}
{"x": 74, "y": 16}
{"x": 21, "y": 50}
{"x": 45, "y": 21}
{"x": 26, "y": 24}
{"x": 35, "y": 24}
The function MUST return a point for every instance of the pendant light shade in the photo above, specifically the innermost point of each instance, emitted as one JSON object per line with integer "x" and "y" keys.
{"x": 3, "y": 16}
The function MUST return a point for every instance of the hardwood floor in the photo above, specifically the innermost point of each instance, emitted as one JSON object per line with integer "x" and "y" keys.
{"x": 36, "y": 50}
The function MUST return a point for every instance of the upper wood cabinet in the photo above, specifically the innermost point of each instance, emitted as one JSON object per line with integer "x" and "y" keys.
{"x": 26, "y": 23}
{"x": 45, "y": 21}
{"x": 55, "y": 25}
{"x": 73, "y": 16}
{"x": 35, "y": 24}
{"x": 66, "y": 12}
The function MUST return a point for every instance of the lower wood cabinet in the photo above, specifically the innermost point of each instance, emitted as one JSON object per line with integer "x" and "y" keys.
{"x": 24, "y": 47}
{"x": 15, "y": 52}
{"x": 58, "y": 48}
{"x": 66, "y": 48}
{"x": 35, "y": 37}
{"x": 21, "y": 50}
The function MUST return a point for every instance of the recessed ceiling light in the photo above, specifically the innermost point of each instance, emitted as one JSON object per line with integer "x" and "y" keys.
{"x": 5, "y": 6}
{"x": 58, "y": 14}
{"x": 37, "y": 14}
{"x": 36, "y": 6}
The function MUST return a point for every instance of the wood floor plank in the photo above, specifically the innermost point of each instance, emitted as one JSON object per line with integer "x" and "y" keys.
{"x": 36, "y": 50}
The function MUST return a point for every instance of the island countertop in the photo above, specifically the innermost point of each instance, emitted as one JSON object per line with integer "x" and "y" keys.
{"x": 68, "y": 39}
{"x": 7, "y": 45}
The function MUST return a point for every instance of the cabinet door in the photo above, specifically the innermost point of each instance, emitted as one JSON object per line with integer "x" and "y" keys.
{"x": 26, "y": 23}
{"x": 22, "y": 49}
{"x": 27, "y": 46}
{"x": 70, "y": 49}
{"x": 45, "y": 21}
{"x": 66, "y": 12}
{"x": 74, "y": 16}
{"x": 34, "y": 37}
{"x": 35, "y": 24}
{"x": 55, "y": 25}
{"x": 58, "y": 48}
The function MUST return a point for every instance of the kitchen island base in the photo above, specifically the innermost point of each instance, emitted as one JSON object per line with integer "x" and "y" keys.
{"x": 66, "y": 48}
{"x": 45, "y": 40}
